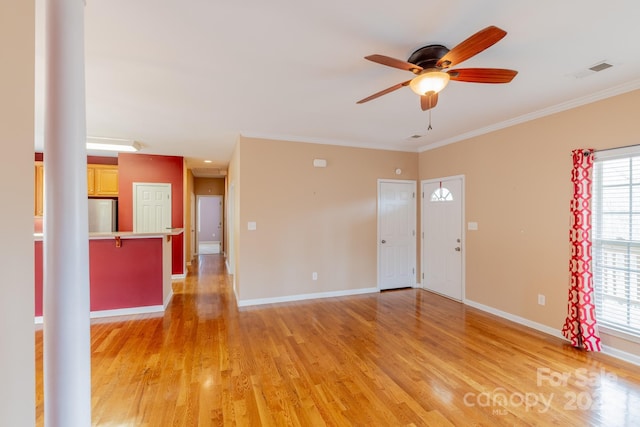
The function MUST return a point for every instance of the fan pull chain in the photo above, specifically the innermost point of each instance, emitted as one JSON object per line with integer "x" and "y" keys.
{"x": 430, "y": 108}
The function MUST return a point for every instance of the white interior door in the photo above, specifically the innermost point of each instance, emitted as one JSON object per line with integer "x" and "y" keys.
{"x": 151, "y": 207}
{"x": 442, "y": 263}
{"x": 396, "y": 234}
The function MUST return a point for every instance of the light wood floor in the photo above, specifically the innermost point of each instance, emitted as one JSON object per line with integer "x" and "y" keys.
{"x": 405, "y": 357}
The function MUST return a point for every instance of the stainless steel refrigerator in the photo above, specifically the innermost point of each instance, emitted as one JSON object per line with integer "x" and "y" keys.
{"x": 103, "y": 215}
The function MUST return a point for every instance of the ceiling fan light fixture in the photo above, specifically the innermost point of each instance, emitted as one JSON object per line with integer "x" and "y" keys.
{"x": 432, "y": 81}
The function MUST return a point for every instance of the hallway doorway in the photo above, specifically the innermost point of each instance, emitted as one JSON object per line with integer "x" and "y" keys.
{"x": 209, "y": 235}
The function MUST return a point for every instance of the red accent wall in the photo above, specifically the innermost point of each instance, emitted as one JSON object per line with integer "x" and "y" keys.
{"x": 102, "y": 160}
{"x": 124, "y": 277}
{"x": 152, "y": 169}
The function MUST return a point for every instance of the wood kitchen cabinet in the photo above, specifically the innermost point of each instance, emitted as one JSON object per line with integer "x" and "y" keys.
{"x": 102, "y": 180}
{"x": 39, "y": 189}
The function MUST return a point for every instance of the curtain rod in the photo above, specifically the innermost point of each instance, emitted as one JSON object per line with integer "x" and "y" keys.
{"x": 617, "y": 148}
{"x": 586, "y": 152}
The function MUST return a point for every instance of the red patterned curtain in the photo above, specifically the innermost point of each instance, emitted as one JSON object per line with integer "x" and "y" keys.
{"x": 580, "y": 326}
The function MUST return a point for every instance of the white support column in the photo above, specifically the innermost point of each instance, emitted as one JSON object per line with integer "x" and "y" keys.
{"x": 67, "y": 352}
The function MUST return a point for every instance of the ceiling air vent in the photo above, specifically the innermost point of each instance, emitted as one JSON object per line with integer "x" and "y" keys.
{"x": 602, "y": 65}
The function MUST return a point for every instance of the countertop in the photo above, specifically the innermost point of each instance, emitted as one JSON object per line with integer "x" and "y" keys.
{"x": 125, "y": 235}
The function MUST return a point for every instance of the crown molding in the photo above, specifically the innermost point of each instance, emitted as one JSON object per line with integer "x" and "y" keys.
{"x": 597, "y": 96}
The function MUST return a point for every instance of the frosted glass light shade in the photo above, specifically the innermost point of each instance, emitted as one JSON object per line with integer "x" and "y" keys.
{"x": 433, "y": 81}
{"x": 112, "y": 144}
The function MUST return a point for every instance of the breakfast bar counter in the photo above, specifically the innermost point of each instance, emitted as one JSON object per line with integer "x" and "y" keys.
{"x": 129, "y": 273}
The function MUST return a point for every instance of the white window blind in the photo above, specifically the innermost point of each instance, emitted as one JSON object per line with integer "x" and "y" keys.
{"x": 616, "y": 239}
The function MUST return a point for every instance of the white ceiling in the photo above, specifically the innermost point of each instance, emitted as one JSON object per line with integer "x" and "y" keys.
{"x": 186, "y": 78}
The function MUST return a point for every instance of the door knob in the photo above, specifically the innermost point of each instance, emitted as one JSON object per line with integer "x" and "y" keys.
{"x": 458, "y": 249}
{"x": 384, "y": 241}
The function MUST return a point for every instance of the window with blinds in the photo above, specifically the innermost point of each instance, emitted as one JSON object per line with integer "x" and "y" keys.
{"x": 616, "y": 239}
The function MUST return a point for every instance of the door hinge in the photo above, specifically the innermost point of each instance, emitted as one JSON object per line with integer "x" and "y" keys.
{"x": 413, "y": 271}
{"x": 422, "y": 276}
{"x": 414, "y": 194}
{"x": 423, "y": 194}
{"x": 414, "y": 233}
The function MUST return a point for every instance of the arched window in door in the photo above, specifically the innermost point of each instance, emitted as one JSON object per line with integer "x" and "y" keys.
{"x": 441, "y": 194}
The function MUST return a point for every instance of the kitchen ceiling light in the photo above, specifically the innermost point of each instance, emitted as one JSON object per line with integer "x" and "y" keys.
{"x": 432, "y": 81}
{"x": 112, "y": 144}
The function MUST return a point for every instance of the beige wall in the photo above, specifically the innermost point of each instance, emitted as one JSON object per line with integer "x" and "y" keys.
{"x": 310, "y": 219}
{"x": 17, "y": 388}
{"x": 518, "y": 190}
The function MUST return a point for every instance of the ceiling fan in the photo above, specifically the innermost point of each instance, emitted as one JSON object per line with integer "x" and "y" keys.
{"x": 431, "y": 65}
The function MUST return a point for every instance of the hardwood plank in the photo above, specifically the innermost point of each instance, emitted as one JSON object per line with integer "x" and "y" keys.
{"x": 405, "y": 357}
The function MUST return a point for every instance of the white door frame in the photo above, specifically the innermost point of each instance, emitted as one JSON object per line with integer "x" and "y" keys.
{"x": 231, "y": 233}
{"x": 415, "y": 243}
{"x": 192, "y": 225}
{"x": 463, "y": 230}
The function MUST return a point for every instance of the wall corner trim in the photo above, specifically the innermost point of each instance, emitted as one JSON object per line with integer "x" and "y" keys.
{"x": 168, "y": 299}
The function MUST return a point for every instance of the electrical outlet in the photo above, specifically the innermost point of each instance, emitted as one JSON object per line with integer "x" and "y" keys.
{"x": 541, "y": 299}
{"x": 314, "y": 276}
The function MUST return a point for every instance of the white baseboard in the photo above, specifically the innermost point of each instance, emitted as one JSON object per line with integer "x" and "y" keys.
{"x": 179, "y": 276}
{"x": 301, "y": 297}
{"x": 38, "y": 320}
{"x": 127, "y": 311}
{"x": 609, "y": 351}
{"x": 517, "y": 319}
{"x": 622, "y": 355}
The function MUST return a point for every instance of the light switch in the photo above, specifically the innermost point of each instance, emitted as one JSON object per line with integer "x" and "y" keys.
{"x": 251, "y": 225}
{"x": 472, "y": 226}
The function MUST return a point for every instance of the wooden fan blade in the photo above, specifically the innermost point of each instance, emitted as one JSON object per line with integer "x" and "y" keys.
{"x": 383, "y": 92}
{"x": 395, "y": 63}
{"x": 472, "y": 46}
{"x": 428, "y": 101}
{"x": 482, "y": 75}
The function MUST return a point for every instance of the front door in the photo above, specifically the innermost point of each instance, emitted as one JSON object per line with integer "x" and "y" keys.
{"x": 396, "y": 234}
{"x": 442, "y": 236}
{"x": 151, "y": 208}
